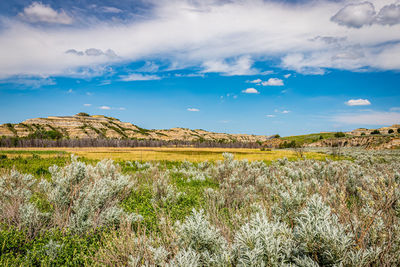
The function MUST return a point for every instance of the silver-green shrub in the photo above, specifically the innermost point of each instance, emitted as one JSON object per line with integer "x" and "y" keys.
{"x": 86, "y": 197}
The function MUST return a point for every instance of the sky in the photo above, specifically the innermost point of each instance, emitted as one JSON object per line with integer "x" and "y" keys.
{"x": 238, "y": 66}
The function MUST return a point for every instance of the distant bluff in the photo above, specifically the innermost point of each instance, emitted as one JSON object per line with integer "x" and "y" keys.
{"x": 83, "y": 125}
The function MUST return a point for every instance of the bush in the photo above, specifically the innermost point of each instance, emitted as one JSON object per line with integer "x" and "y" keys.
{"x": 390, "y": 131}
{"x": 375, "y": 132}
{"x": 339, "y": 134}
{"x": 82, "y": 198}
{"x": 83, "y": 114}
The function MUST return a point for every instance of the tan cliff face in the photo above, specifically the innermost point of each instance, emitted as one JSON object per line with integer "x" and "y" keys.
{"x": 369, "y": 142}
{"x": 383, "y": 130}
{"x": 99, "y": 126}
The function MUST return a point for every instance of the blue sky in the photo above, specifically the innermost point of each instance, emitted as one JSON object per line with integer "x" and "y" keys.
{"x": 258, "y": 67}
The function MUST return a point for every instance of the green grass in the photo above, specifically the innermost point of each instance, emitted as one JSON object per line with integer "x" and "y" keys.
{"x": 308, "y": 138}
{"x": 39, "y": 152}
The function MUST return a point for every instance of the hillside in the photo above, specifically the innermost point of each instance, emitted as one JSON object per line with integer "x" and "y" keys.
{"x": 385, "y": 137}
{"x": 99, "y": 126}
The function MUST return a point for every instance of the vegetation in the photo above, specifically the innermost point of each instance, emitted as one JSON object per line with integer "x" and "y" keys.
{"x": 390, "y": 131}
{"x": 83, "y": 114}
{"x": 43, "y": 138}
{"x": 226, "y": 213}
{"x": 308, "y": 138}
{"x": 339, "y": 134}
{"x": 375, "y": 132}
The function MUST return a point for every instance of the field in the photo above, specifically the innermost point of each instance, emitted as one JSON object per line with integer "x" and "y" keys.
{"x": 162, "y": 153}
{"x": 199, "y": 207}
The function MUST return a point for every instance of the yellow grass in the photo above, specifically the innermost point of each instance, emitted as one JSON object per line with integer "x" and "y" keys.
{"x": 171, "y": 154}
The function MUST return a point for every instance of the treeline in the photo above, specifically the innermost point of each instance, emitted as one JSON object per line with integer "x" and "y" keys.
{"x": 99, "y": 142}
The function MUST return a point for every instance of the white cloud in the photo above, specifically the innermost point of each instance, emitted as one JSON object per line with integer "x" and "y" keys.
{"x": 70, "y": 91}
{"x": 250, "y": 91}
{"x": 240, "y": 66}
{"x": 193, "y": 109}
{"x": 87, "y": 105}
{"x": 38, "y": 12}
{"x": 389, "y": 15}
{"x": 105, "y": 107}
{"x": 355, "y": 15}
{"x": 287, "y": 75}
{"x": 139, "y": 77}
{"x": 31, "y": 82}
{"x": 273, "y": 82}
{"x": 370, "y": 118}
{"x": 270, "y": 116}
{"x": 358, "y": 102}
{"x": 283, "y": 111}
{"x": 255, "y": 81}
{"x": 225, "y": 37}
{"x": 359, "y": 15}
{"x": 395, "y": 109}
{"x": 110, "y": 9}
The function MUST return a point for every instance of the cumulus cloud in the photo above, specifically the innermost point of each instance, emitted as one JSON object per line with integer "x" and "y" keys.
{"x": 287, "y": 75}
{"x": 250, "y": 91}
{"x": 369, "y": 118}
{"x": 389, "y": 15}
{"x": 139, "y": 77}
{"x": 255, "y": 81}
{"x": 273, "y": 82}
{"x": 285, "y": 111}
{"x": 358, "y": 102}
{"x": 87, "y": 105}
{"x": 270, "y": 116}
{"x": 359, "y": 15}
{"x": 240, "y": 66}
{"x": 108, "y": 107}
{"x": 38, "y": 12}
{"x": 193, "y": 109}
{"x": 355, "y": 15}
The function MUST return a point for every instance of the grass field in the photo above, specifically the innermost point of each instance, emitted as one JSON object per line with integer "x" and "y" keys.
{"x": 161, "y": 153}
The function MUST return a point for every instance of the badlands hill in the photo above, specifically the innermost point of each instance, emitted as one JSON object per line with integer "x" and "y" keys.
{"x": 385, "y": 137}
{"x": 98, "y": 126}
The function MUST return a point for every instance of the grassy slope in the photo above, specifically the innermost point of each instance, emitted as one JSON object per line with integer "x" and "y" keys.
{"x": 308, "y": 138}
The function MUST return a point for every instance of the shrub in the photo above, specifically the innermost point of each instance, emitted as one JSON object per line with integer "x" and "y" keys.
{"x": 83, "y": 114}
{"x": 319, "y": 234}
{"x": 197, "y": 234}
{"x": 86, "y": 197}
{"x": 82, "y": 198}
{"x": 339, "y": 134}
{"x": 261, "y": 243}
{"x": 390, "y": 131}
{"x": 375, "y": 132}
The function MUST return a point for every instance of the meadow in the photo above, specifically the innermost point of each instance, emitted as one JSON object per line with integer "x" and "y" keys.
{"x": 162, "y": 153}
{"x": 199, "y": 207}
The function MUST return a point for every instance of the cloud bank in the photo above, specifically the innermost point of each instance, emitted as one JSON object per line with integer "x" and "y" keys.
{"x": 225, "y": 37}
